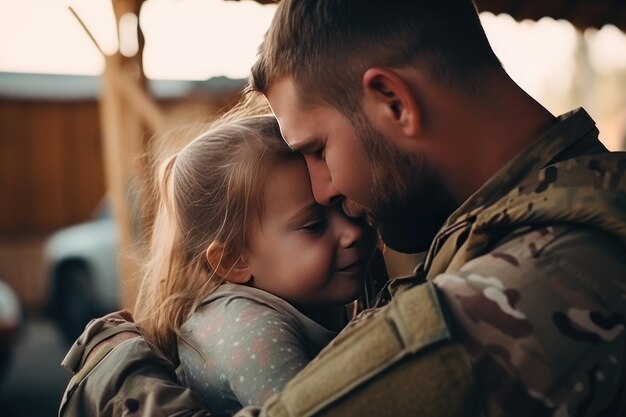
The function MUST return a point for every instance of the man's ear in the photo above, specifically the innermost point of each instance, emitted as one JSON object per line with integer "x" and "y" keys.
{"x": 232, "y": 270}
{"x": 390, "y": 103}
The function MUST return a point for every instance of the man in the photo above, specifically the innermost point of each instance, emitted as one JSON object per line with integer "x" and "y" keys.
{"x": 402, "y": 110}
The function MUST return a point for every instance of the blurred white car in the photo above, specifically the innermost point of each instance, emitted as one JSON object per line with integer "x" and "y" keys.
{"x": 81, "y": 261}
{"x": 10, "y": 322}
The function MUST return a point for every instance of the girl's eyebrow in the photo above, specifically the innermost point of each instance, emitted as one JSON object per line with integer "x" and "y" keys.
{"x": 303, "y": 212}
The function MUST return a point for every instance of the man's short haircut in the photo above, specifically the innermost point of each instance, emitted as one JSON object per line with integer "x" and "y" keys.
{"x": 325, "y": 46}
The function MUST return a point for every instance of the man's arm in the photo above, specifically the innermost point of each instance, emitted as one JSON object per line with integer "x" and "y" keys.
{"x": 118, "y": 373}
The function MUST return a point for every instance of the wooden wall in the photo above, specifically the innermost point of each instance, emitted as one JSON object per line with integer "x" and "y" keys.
{"x": 51, "y": 176}
{"x": 51, "y": 171}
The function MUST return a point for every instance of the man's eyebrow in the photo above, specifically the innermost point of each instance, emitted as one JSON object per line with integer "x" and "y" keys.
{"x": 307, "y": 146}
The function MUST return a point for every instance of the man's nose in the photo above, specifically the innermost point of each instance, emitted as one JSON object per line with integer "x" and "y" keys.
{"x": 324, "y": 190}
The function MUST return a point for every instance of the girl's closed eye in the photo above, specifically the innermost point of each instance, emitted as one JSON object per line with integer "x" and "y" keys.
{"x": 315, "y": 226}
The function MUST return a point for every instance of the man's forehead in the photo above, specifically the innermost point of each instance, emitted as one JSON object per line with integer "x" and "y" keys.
{"x": 288, "y": 144}
{"x": 282, "y": 96}
{"x": 285, "y": 131}
{"x": 291, "y": 137}
{"x": 293, "y": 120}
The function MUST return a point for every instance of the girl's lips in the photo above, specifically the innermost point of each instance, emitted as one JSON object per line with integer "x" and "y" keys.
{"x": 353, "y": 266}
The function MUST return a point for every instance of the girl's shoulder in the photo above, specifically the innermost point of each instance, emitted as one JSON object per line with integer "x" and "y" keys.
{"x": 234, "y": 297}
{"x": 238, "y": 306}
{"x": 238, "y": 309}
{"x": 228, "y": 324}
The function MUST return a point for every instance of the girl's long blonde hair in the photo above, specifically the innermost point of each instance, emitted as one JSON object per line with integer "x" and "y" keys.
{"x": 210, "y": 191}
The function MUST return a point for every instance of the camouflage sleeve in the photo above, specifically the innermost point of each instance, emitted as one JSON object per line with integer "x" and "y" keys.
{"x": 542, "y": 319}
{"x": 129, "y": 378}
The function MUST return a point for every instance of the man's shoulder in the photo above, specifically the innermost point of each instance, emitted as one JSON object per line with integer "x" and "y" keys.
{"x": 534, "y": 312}
{"x": 539, "y": 272}
{"x": 545, "y": 247}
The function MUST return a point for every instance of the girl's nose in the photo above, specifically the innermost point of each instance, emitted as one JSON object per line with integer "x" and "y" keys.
{"x": 351, "y": 232}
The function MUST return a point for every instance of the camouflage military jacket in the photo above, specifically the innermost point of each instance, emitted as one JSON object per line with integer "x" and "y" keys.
{"x": 518, "y": 309}
{"x": 533, "y": 270}
{"x": 118, "y": 373}
{"x": 523, "y": 308}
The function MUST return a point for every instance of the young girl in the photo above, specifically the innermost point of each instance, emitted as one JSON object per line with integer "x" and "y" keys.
{"x": 248, "y": 277}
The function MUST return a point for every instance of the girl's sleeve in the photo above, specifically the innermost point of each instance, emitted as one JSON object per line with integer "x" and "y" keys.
{"x": 256, "y": 351}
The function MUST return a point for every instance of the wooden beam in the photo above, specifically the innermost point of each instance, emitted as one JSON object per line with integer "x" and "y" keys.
{"x": 118, "y": 137}
{"x": 123, "y": 102}
{"x": 136, "y": 97}
{"x": 127, "y": 115}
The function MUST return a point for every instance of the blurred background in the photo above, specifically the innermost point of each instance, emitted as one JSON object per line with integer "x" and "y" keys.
{"x": 86, "y": 85}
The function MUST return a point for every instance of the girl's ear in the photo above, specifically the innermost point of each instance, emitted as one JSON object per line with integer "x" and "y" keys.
{"x": 232, "y": 270}
{"x": 390, "y": 103}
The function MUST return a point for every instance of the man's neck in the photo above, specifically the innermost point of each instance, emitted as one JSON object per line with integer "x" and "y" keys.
{"x": 489, "y": 134}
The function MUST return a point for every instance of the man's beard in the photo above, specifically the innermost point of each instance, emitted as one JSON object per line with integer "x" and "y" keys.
{"x": 409, "y": 203}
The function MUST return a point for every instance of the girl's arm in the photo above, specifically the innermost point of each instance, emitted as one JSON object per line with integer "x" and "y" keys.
{"x": 248, "y": 352}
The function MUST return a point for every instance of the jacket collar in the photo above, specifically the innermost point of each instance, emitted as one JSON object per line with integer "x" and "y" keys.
{"x": 575, "y": 134}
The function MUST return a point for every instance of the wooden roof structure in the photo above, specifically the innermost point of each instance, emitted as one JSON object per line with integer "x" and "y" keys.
{"x": 582, "y": 14}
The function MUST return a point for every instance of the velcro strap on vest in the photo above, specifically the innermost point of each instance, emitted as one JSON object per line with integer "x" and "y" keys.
{"x": 413, "y": 321}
